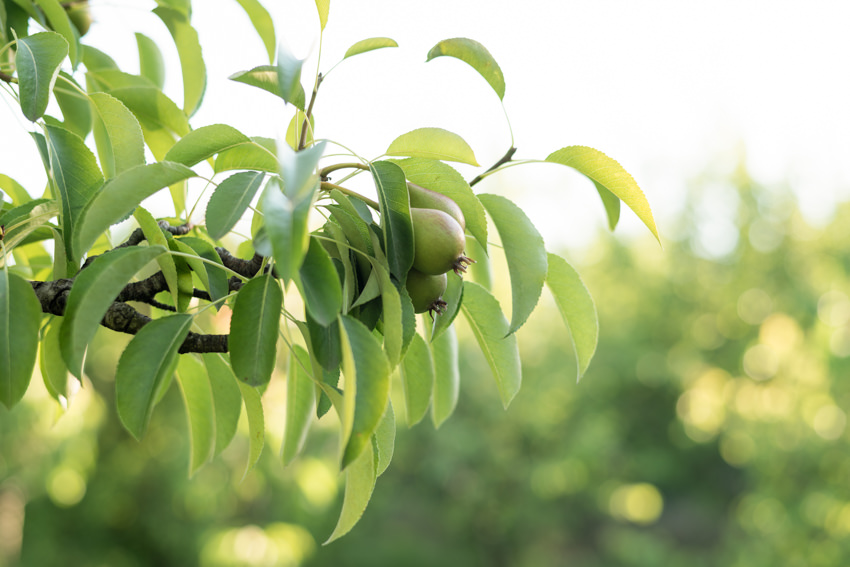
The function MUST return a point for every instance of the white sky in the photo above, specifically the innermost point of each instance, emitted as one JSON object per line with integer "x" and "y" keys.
{"x": 668, "y": 88}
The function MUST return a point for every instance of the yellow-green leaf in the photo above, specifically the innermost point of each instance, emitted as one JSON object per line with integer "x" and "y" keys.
{"x": 433, "y": 143}
{"x": 476, "y": 55}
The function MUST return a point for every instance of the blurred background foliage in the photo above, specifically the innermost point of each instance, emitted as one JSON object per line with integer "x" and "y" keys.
{"x": 710, "y": 429}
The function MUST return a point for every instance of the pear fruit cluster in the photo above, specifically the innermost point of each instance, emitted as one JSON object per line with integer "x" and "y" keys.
{"x": 438, "y": 242}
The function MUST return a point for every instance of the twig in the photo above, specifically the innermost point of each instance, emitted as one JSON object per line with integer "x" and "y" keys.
{"x": 503, "y": 160}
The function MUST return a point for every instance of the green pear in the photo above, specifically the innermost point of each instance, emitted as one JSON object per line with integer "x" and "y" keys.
{"x": 438, "y": 242}
{"x": 422, "y": 198}
{"x": 426, "y": 291}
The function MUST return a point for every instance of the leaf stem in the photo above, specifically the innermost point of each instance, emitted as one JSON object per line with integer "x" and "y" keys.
{"x": 330, "y": 186}
{"x": 302, "y": 142}
{"x": 8, "y": 78}
{"x": 502, "y": 161}
{"x": 323, "y": 173}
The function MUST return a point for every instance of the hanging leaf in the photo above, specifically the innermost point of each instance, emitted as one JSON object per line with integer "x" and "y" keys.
{"x": 395, "y": 216}
{"x": 95, "y": 60}
{"x": 262, "y": 22}
{"x": 151, "y": 63}
{"x": 50, "y": 362}
{"x": 432, "y": 143}
{"x": 259, "y": 154}
{"x": 76, "y": 179}
{"x": 453, "y": 296}
{"x": 417, "y": 378}
{"x": 385, "y": 440}
{"x": 121, "y": 195}
{"x": 371, "y": 44}
{"x": 117, "y": 134}
{"x": 20, "y": 319}
{"x": 319, "y": 285}
{"x": 323, "y": 6}
{"x": 200, "y": 411}
{"x": 491, "y": 330}
{"x": 94, "y": 290}
{"x": 145, "y": 366}
{"x": 76, "y": 111}
{"x": 254, "y": 328}
{"x": 359, "y": 484}
{"x": 61, "y": 23}
{"x": 446, "y": 376}
{"x": 289, "y": 75}
{"x": 611, "y": 203}
{"x": 266, "y": 77}
{"x": 524, "y": 252}
{"x": 191, "y": 59}
{"x": 213, "y": 278}
{"x": 205, "y": 142}
{"x": 607, "y": 173}
{"x": 576, "y": 307}
{"x": 227, "y": 400}
{"x": 446, "y": 180}
{"x": 300, "y": 404}
{"x": 367, "y": 373}
{"x": 256, "y": 424}
{"x": 286, "y": 226}
{"x": 477, "y": 56}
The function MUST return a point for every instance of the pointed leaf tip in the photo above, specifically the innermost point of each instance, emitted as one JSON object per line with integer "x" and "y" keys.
{"x": 607, "y": 173}
{"x": 474, "y": 54}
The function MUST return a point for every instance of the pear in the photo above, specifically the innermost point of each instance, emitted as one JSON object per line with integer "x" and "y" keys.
{"x": 80, "y": 15}
{"x": 422, "y": 198}
{"x": 438, "y": 242}
{"x": 426, "y": 291}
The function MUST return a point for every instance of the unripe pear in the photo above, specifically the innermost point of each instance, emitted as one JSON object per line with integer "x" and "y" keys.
{"x": 422, "y": 198}
{"x": 80, "y": 16}
{"x": 438, "y": 242}
{"x": 426, "y": 291}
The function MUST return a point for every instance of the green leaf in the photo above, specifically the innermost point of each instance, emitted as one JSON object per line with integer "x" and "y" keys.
{"x": 151, "y": 63}
{"x": 258, "y": 155}
{"x": 298, "y": 170}
{"x": 76, "y": 179}
{"x": 76, "y": 111}
{"x": 289, "y": 75}
{"x": 371, "y": 44}
{"x": 385, "y": 440}
{"x": 262, "y": 22}
{"x": 266, "y": 77}
{"x": 215, "y": 279}
{"x": 20, "y": 319}
{"x": 453, "y": 296}
{"x": 95, "y": 60}
{"x": 490, "y": 328}
{"x": 476, "y": 55}
{"x": 110, "y": 79}
{"x": 607, "y": 173}
{"x": 611, "y": 203}
{"x": 50, "y": 362}
{"x": 227, "y": 400}
{"x": 576, "y": 307}
{"x": 432, "y": 143}
{"x": 256, "y": 424}
{"x": 191, "y": 59}
{"x": 395, "y": 216}
{"x": 446, "y": 180}
{"x": 525, "y": 253}
{"x": 359, "y": 484}
{"x": 14, "y": 190}
{"x": 153, "y": 109}
{"x": 155, "y": 237}
{"x": 59, "y": 21}
{"x": 417, "y": 378}
{"x": 319, "y": 285}
{"x": 200, "y": 411}
{"x": 323, "y": 6}
{"x": 145, "y": 366}
{"x": 254, "y": 328}
{"x": 367, "y": 381}
{"x": 446, "y": 376}
{"x": 117, "y": 134}
{"x": 286, "y": 226}
{"x": 93, "y": 292}
{"x": 121, "y": 195}
{"x": 392, "y": 314}
{"x": 300, "y": 404}
{"x": 204, "y": 143}
{"x": 293, "y": 131}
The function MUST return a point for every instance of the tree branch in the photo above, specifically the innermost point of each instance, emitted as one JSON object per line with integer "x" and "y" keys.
{"x": 502, "y": 160}
{"x": 124, "y": 318}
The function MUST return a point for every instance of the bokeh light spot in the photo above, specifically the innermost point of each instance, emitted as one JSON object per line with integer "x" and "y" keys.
{"x": 65, "y": 486}
{"x": 638, "y": 503}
